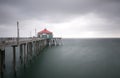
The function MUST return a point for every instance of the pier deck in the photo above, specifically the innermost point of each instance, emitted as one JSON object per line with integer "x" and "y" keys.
{"x": 4, "y": 42}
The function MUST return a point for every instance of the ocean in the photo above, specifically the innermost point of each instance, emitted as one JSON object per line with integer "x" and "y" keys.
{"x": 76, "y": 58}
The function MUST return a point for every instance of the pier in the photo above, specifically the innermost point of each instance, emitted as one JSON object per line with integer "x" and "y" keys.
{"x": 28, "y": 47}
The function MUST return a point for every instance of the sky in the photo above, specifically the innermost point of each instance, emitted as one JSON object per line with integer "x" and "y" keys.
{"x": 65, "y": 18}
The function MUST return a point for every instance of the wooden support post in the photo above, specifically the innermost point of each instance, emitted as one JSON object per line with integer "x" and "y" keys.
{"x": 57, "y": 43}
{"x": 31, "y": 49}
{"x": 39, "y": 47}
{"x": 3, "y": 54}
{"x": 27, "y": 48}
{"x": 44, "y": 43}
{"x": 53, "y": 42}
{"x": 21, "y": 54}
{"x": 35, "y": 50}
{"x": 24, "y": 55}
{"x": 50, "y": 42}
{"x": 30, "y": 52}
{"x": 14, "y": 60}
{"x": 2, "y": 62}
{"x": 41, "y": 44}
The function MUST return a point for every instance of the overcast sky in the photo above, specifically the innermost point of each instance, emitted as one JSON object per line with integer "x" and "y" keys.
{"x": 65, "y": 18}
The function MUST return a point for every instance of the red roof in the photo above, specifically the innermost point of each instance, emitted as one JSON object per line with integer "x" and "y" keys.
{"x": 45, "y": 31}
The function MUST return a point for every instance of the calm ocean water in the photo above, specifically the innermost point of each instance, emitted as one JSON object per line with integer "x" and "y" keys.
{"x": 77, "y": 58}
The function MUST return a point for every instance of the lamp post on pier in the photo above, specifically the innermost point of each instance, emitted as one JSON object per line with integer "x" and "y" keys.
{"x": 17, "y": 33}
{"x": 35, "y": 33}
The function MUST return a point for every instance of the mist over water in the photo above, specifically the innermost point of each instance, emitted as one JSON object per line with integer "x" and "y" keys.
{"x": 77, "y": 58}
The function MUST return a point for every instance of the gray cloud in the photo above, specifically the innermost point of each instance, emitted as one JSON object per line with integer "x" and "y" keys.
{"x": 57, "y": 11}
{"x": 39, "y": 8}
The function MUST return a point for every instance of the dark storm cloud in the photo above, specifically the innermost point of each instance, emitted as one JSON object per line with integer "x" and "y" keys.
{"x": 11, "y": 10}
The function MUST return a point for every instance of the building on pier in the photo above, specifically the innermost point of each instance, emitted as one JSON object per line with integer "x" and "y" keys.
{"x": 45, "y": 34}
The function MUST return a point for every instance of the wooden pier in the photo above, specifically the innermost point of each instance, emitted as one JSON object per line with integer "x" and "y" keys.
{"x": 27, "y": 46}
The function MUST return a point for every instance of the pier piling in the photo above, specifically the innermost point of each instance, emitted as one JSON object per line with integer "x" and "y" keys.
{"x": 2, "y": 62}
{"x": 21, "y": 54}
{"x": 14, "y": 60}
{"x": 24, "y": 45}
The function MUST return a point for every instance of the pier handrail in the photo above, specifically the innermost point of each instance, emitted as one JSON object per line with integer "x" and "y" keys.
{"x": 13, "y": 40}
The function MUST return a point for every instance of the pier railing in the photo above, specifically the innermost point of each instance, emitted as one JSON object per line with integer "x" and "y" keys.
{"x": 13, "y": 40}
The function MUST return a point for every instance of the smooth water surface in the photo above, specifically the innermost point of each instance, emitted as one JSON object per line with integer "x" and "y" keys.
{"x": 77, "y": 58}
